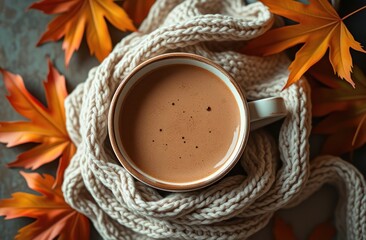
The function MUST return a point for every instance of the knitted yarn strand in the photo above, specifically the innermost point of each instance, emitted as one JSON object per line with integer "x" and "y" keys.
{"x": 278, "y": 173}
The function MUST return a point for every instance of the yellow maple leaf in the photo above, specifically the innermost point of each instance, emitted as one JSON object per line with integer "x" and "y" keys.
{"x": 77, "y": 16}
{"x": 320, "y": 28}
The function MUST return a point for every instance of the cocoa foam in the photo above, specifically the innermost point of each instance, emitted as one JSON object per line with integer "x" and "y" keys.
{"x": 179, "y": 123}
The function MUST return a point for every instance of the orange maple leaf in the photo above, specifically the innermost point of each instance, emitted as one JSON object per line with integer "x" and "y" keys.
{"x": 344, "y": 109}
{"x": 283, "y": 231}
{"x": 75, "y": 16}
{"x": 54, "y": 217}
{"x": 138, "y": 9}
{"x": 323, "y": 231}
{"x": 319, "y": 28}
{"x": 46, "y": 126}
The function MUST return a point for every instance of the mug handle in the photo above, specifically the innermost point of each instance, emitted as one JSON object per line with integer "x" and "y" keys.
{"x": 265, "y": 111}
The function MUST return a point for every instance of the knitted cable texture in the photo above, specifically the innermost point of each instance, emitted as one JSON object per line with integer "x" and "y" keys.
{"x": 278, "y": 173}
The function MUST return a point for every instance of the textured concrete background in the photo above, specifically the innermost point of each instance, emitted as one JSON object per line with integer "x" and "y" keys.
{"x": 20, "y": 30}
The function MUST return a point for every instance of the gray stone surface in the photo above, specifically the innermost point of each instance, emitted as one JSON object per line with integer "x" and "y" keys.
{"x": 20, "y": 30}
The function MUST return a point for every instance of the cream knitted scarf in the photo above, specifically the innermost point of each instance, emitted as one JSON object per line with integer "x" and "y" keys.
{"x": 278, "y": 171}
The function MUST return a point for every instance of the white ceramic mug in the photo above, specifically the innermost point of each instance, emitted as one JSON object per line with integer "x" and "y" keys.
{"x": 253, "y": 115}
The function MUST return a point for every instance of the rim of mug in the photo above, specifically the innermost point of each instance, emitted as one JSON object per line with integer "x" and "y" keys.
{"x": 171, "y": 186}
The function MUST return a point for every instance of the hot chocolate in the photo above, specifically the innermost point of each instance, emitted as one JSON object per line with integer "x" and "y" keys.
{"x": 179, "y": 123}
